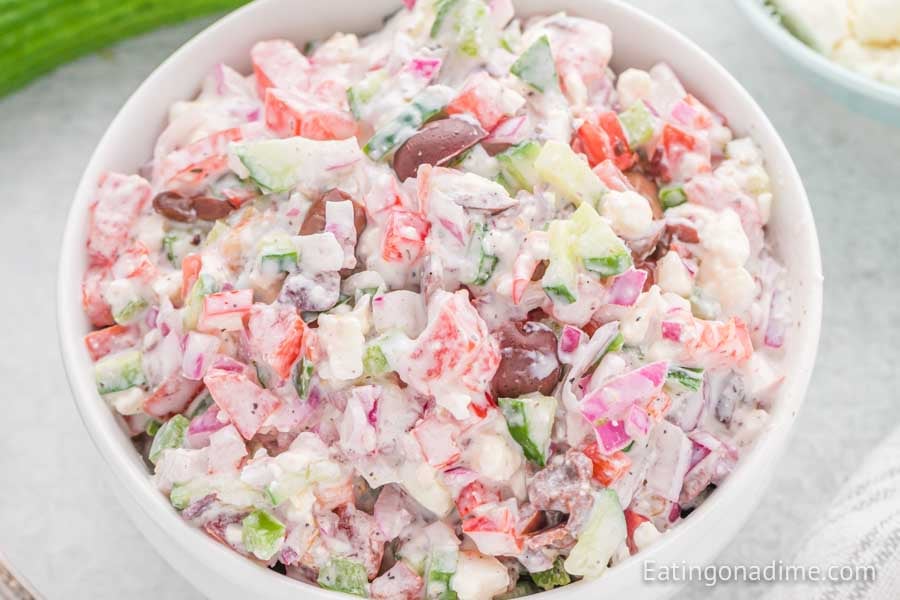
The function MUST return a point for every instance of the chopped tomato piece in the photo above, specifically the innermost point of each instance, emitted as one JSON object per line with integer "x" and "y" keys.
{"x": 455, "y": 354}
{"x": 676, "y": 141}
{"x": 608, "y": 468}
{"x": 404, "y": 236}
{"x": 111, "y": 339}
{"x": 611, "y": 176}
{"x": 190, "y": 270}
{"x": 473, "y": 496}
{"x": 95, "y": 306}
{"x": 246, "y": 404}
{"x": 118, "y": 202}
{"x": 172, "y": 395}
{"x": 292, "y": 113}
{"x": 493, "y": 528}
{"x": 605, "y": 139}
{"x": 278, "y": 63}
{"x": 437, "y": 440}
{"x": 135, "y": 263}
{"x": 632, "y": 522}
{"x": 225, "y": 311}
{"x": 276, "y": 335}
{"x": 658, "y": 406}
{"x": 728, "y": 341}
{"x": 198, "y": 161}
{"x": 478, "y": 98}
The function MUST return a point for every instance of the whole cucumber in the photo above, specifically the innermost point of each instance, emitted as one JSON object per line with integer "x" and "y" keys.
{"x": 37, "y": 36}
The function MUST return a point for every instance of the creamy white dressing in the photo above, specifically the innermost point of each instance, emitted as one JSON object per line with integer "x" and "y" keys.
{"x": 357, "y": 360}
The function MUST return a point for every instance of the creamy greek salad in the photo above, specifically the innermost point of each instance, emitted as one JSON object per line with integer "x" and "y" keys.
{"x": 451, "y": 310}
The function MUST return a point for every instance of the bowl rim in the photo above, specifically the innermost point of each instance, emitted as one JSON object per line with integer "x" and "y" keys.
{"x": 131, "y": 474}
{"x": 848, "y": 79}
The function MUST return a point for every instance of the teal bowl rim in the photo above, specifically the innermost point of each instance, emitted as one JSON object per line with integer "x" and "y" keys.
{"x": 853, "y": 82}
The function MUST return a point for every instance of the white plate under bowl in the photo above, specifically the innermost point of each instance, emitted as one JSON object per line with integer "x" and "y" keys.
{"x": 640, "y": 41}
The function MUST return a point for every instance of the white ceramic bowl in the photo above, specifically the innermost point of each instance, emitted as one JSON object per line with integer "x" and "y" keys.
{"x": 863, "y": 94}
{"x": 640, "y": 41}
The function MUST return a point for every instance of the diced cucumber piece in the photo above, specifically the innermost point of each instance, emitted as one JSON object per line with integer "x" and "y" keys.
{"x": 442, "y": 10}
{"x": 218, "y": 230}
{"x": 524, "y": 587}
{"x": 474, "y": 28}
{"x": 199, "y": 405}
{"x": 637, "y": 123}
{"x": 560, "y": 280}
{"x": 277, "y": 254}
{"x": 152, "y": 427}
{"x": 271, "y": 163}
{"x": 193, "y": 305}
{"x": 555, "y": 576}
{"x": 374, "y": 361}
{"x": 685, "y": 378}
{"x": 362, "y": 93}
{"x": 536, "y": 67}
{"x": 285, "y": 486}
{"x": 465, "y": 25}
{"x": 530, "y": 422}
{"x": 517, "y": 165}
{"x": 425, "y": 105}
{"x": 180, "y": 496}
{"x": 119, "y": 371}
{"x": 671, "y": 196}
{"x": 600, "y": 249}
{"x": 511, "y": 37}
{"x": 486, "y": 267}
{"x": 170, "y": 435}
{"x": 262, "y": 374}
{"x": 609, "y": 265}
{"x": 439, "y": 570}
{"x": 278, "y": 165}
{"x": 131, "y": 311}
{"x": 615, "y": 345}
{"x": 168, "y": 242}
{"x": 177, "y": 244}
{"x": 484, "y": 262}
{"x": 344, "y": 575}
{"x": 303, "y": 377}
{"x": 569, "y": 174}
{"x": 262, "y": 534}
{"x": 602, "y": 535}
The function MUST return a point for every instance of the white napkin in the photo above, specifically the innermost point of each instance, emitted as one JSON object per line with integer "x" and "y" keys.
{"x": 861, "y": 528}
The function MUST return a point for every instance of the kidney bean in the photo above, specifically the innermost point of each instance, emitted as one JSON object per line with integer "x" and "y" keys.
{"x": 647, "y": 188}
{"x": 684, "y": 232}
{"x": 314, "y": 222}
{"x": 211, "y": 209}
{"x": 436, "y": 144}
{"x": 178, "y": 207}
{"x": 528, "y": 361}
{"x": 175, "y": 206}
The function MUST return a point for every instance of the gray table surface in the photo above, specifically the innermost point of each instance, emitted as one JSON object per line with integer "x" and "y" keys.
{"x": 59, "y": 523}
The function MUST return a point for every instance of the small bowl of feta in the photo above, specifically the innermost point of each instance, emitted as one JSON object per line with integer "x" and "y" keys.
{"x": 851, "y": 47}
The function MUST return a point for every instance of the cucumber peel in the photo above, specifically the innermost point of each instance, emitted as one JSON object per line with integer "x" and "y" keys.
{"x": 36, "y": 37}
